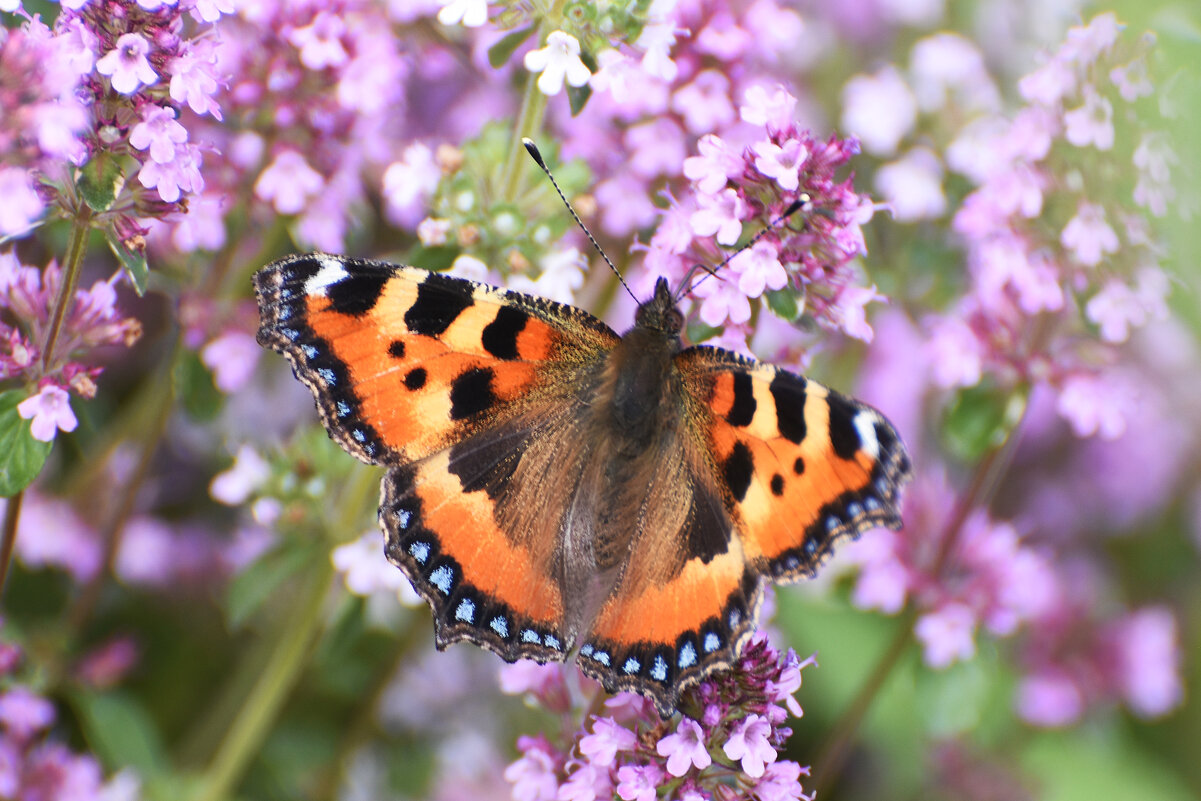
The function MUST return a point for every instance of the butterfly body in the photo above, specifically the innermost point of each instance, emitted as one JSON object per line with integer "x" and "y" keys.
{"x": 554, "y": 487}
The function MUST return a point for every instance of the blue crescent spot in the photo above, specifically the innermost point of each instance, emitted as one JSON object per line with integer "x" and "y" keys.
{"x": 466, "y": 611}
{"x": 712, "y": 643}
{"x": 499, "y": 625}
{"x": 659, "y": 669}
{"x": 443, "y": 578}
{"x": 687, "y": 656}
{"x": 418, "y": 550}
{"x": 530, "y": 636}
{"x": 632, "y": 665}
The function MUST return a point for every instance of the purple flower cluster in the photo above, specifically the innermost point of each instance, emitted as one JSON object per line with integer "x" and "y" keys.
{"x": 27, "y": 298}
{"x": 34, "y": 763}
{"x": 726, "y": 744}
{"x": 1053, "y": 269}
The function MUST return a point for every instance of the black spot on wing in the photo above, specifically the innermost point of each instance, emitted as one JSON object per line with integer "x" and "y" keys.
{"x": 500, "y": 336}
{"x": 359, "y": 291}
{"x": 440, "y": 299}
{"x": 742, "y": 411}
{"x": 738, "y": 469}
{"x": 843, "y": 435}
{"x": 397, "y": 349}
{"x": 471, "y": 393}
{"x": 415, "y": 378}
{"x": 788, "y": 392}
{"x": 777, "y": 485}
{"x": 798, "y": 466}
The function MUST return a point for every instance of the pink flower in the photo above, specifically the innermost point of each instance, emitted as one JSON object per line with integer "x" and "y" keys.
{"x": 526, "y": 676}
{"x": 656, "y": 147}
{"x": 1092, "y": 123}
{"x": 949, "y": 68}
{"x": 1094, "y": 405}
{"x": 1050, "y": 83}
{"x": 719, "y": 215}
{"x": 321, "y": 42}
{"x": 158, "y": 132}
{"x": 851, "y": 310}
{"x": 192, "y": 77}
{"x": 749, "y": 744}
{"x": 1147, "y": 661}
{"x": 558, "y": 61}
{"x": 20, "y": 205}
{"x": 24, "y": 714}
{"x": 234, "y": 486}
{"x": 409, "y": 181}
{"x": 705, "y": 103}
{"x": 879, "y": 109}
{"x": 606, "y": 739}
{"x": 364, "y": 568}
{"x": 1132, "y": 80}
{"x": 781, "y": 163}
{"x": 781, "y": 782}
{"x": 50, "y": 410}
{"x": 1088, "y": 235}
{"x": 638, "y": 782}
{"x": 1049, "y": 698}
{"x": 912, "y": 186}
{"x": 126, "y": 64}
{"x": 173, "y": 178}
{"x": 232, "y": 357}
{"x": 946, "y": 634}
{"x": 772, "y": 110}
{"x": 288, "y": 182}
{"x": 149, "y": 553}
{"x": 685, "y": 749}
{"x": 586, "y": 783}
{"x": 715, "y": 165}
{"x": 533, "y": 774}
{"x": 720, "y": 301}
{"x": 759, "y": 269}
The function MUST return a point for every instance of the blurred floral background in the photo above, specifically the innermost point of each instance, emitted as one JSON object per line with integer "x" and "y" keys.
{"x": 995, "y": 242}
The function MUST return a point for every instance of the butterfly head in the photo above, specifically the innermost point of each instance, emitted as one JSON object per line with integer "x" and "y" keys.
{"x": 660, "y": 313}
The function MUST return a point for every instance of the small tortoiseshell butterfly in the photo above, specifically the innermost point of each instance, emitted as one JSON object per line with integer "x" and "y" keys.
{"x": 552, "y": 486}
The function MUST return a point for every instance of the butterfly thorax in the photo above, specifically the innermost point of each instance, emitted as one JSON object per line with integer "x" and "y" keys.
{"x": 640, "y": 392}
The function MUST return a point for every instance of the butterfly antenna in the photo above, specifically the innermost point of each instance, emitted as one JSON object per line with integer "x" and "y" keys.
{"x": 793, "y": 208}
{"x": 532, "y": 149}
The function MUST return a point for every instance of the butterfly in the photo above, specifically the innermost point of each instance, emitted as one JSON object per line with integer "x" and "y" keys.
{"x": 553, "y": 488}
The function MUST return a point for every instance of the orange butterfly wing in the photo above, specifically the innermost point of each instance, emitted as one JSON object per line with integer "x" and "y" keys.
{"x": 784, "y": 468}
{"x": 446, "y": 382}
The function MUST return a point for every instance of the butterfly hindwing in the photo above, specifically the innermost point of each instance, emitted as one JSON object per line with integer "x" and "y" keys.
{"x": 803, "y": 466}
{"x": 447, "y": 382}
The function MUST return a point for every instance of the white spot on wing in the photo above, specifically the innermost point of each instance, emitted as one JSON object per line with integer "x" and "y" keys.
{"x": 865, "y": 426}
{"x": 330, "y": 271}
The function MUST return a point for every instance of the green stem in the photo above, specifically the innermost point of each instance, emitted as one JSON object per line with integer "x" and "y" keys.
{"x": 829, "y": 763}
{"x": 266, "y": 698}
{"x": 273, "y": 680}
{"x": 529, "y": 122}
{"x": 80, "y": 229}
{"x": 529, "y": 118}
{"x": 12, "y": 513}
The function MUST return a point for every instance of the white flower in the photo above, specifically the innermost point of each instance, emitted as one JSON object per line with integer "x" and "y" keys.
{"x": 472, "y": 13}
{"x": 50, "y": 411}
{"x": 559, "y": 60}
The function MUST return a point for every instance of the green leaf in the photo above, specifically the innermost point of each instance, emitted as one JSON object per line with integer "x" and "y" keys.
{"x": 434, "y": 257}
{"x": 979, "y": 419}
{"x": 134, "y": 262}
{"x": 195, "y": 388}
{"x": 254, "y": 585}
{"x": 120, "y": 730}
{"x": 100, "y": 180}
{"x": 783, "y": 303}
{"x": 21, "y": 456}
{"x": 500, "y": 53}
{"x": 578, "y": 95}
